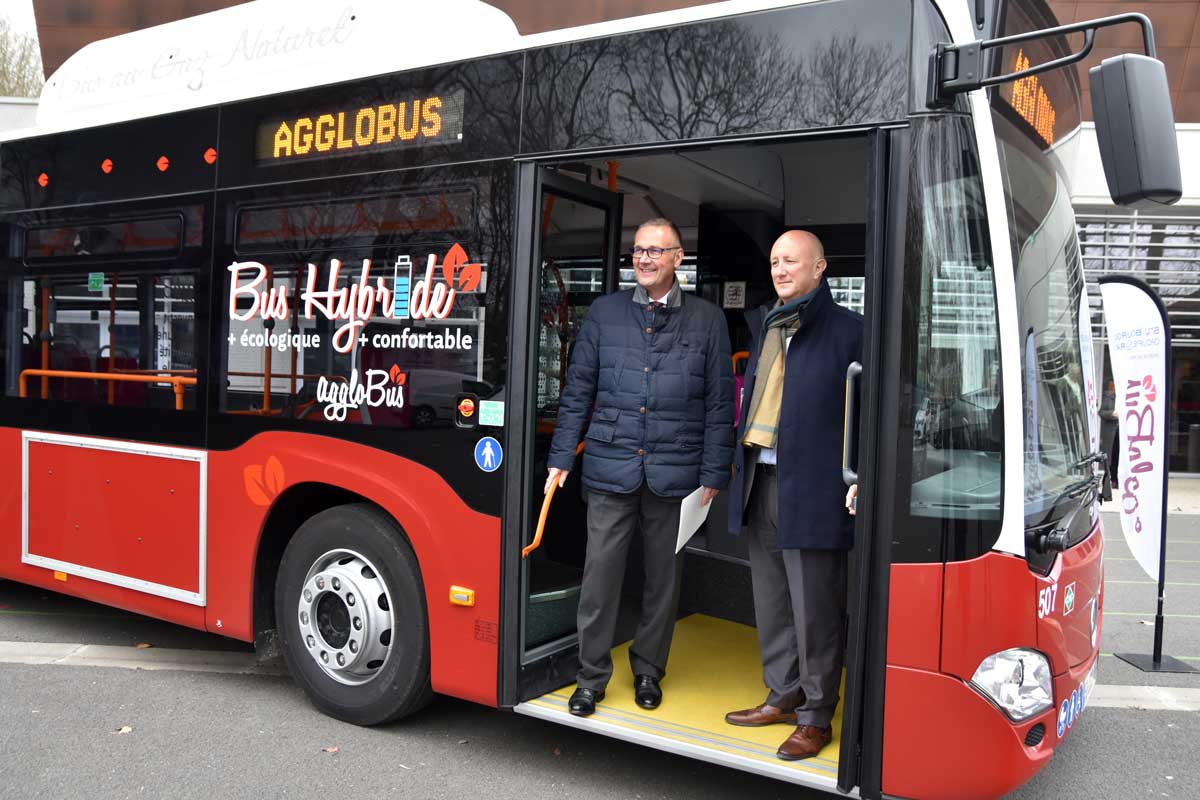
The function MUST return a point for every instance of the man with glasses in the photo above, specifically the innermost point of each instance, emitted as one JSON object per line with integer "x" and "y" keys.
{"x": 788, "y": 491}
{"x": 651, "y": 375}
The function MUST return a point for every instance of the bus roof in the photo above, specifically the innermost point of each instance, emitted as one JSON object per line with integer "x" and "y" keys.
{"x": 272, "y": 46}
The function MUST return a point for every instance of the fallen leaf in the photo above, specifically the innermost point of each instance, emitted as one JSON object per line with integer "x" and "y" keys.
{"x": 333, "y": 748}
{"x": 143, "y": 645}
{"x": 404, "y": 767}
{"x": 124, "y": 729}
{"x": 462, "y": 741}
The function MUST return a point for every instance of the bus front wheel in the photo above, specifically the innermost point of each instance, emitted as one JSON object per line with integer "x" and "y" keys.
{"x": 350, "y": 608}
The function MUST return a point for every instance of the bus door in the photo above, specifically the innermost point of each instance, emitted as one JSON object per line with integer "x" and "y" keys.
{"x": 569, "y": 234}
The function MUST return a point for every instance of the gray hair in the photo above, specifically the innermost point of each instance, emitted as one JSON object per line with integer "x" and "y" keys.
{"x": 661, "y": 222}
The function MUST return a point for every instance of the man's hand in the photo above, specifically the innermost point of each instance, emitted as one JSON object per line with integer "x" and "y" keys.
{"x": 851, "y": 500}
{"x": 556, "y": 474}
{"x": 708, "y": 495}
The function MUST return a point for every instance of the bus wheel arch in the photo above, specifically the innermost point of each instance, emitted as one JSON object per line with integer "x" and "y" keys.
{"x": 351, "y": 614}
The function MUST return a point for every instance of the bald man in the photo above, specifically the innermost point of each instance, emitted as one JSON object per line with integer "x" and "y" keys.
{"x": 787, "y": 490}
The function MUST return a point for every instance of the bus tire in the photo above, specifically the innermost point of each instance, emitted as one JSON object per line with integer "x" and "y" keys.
{"x": 350, "y": 608}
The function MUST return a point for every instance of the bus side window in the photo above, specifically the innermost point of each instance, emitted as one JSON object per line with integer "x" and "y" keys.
{"x": 106, "y": 338}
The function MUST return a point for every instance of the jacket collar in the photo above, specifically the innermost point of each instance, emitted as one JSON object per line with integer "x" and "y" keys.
{"x": 820, "y": 299}
{"x": 673, "y": 300}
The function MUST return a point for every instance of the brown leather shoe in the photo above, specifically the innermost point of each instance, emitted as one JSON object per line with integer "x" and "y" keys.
{"x": 759, "y": 716}
{"x": 805, "y": 742}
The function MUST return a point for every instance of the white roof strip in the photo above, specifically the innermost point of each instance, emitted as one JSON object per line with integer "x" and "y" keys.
{"x": 271, "y": 46}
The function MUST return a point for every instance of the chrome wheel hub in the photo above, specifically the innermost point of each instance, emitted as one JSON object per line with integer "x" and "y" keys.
{"x": 345, "y": 616}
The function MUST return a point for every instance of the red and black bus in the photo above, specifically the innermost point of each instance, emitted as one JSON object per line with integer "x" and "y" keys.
{"x": 286, "y": 304}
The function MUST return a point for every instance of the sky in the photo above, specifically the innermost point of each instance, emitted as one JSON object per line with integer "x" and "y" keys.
{"x": 20, "y": 15}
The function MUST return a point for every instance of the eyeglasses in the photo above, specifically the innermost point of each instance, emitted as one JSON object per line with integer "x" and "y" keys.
{"x": 655, "y": 253}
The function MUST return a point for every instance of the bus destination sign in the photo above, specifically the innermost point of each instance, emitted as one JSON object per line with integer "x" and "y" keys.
{"x": 433, "y": 119}
{"x": 1032, "y": 102}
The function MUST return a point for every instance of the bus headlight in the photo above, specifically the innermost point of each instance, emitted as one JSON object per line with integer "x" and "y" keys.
{"x": 1016, "y": 680}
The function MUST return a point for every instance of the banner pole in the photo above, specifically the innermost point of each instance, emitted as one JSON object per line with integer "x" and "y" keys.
{"x": 1162, "y": 546}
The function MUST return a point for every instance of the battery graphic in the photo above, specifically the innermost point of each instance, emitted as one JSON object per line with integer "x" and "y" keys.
{"x": 401, "y": 286}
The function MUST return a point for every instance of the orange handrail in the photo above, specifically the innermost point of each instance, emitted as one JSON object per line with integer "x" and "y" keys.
{"x": 122, "y": 371}
{"x": 177, "y": 382}
{"x": 541, "y": 526}
{"x": 740, "y": 355}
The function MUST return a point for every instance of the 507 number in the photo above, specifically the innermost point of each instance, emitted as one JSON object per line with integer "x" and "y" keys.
{"x": 1046, "y": 599}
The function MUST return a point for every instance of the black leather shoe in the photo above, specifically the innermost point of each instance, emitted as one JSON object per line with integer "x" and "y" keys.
{"x": 647, "y": 691}
{"x": 583, "y": 701}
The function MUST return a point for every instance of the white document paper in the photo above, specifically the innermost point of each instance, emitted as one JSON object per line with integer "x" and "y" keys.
{"x": 691, "y": 515}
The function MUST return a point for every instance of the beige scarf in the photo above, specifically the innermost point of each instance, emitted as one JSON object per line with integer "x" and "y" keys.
{"x": 762, "y": 420}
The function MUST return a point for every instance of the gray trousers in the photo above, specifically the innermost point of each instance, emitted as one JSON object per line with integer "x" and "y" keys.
{"x": 800, "y": 610}
{"x": 611, "y": 520}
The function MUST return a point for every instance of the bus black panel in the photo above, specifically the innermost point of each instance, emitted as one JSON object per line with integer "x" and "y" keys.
{"x": 285, "y": 368}
{"x": 164, "y": 155}
{"x": 814, "y": 66}
{"x": 440, "y": 115}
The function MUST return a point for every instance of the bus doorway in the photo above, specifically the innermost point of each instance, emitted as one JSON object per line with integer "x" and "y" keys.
{"x": 730, "y": 202}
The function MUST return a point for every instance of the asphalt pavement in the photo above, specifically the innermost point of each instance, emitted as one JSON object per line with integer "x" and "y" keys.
{"x": 217, "y": 724}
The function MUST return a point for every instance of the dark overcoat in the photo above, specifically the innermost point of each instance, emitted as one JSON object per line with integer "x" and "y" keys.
{"x": 812, "y": 496}
{"x": 659, "y": 390}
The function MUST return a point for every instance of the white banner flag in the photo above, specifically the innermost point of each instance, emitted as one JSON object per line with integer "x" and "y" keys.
{"x": 1137, "y": 344}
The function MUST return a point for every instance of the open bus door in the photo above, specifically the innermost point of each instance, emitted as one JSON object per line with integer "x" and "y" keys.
{"x": 567, "y": 253}
{"x": 568, "y": 238}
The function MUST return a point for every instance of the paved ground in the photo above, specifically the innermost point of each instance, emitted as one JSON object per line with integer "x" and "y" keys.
{"x": 214, "y": 724}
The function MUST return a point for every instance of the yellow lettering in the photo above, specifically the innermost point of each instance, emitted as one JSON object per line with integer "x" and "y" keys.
{"x": 342, "y": 142}
{"x": 409, "y": 132}
{"x": 304, "y": 138}
{"x": 431, "y": 118}
{"x": 364, "y": 136}
{"x": 385, "y": 130}
{"x": 325, "y": 132}
{"x": 1030, "y": 101}
{"x": 283, "y": 141}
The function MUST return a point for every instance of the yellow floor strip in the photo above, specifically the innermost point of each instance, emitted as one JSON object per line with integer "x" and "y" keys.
{"x": 714, "y": 668}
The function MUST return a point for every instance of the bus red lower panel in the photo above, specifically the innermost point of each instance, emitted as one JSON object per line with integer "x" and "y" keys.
{"x": 942, "y": 739}
{"x": 129, "y": 518}
{"x": 454, "y": 545}
{"x": 166, "y": 560}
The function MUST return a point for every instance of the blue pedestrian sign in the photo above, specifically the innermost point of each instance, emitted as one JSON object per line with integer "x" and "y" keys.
{"x": 488, "y": 454}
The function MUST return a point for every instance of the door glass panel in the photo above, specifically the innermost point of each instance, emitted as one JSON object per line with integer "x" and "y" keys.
{"x": 574, "y": 272}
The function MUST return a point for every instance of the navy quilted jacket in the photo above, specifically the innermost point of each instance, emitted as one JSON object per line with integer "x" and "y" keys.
{"x": 659, "y": 390}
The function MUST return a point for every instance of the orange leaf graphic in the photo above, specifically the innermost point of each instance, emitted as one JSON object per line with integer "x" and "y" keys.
{"x": 263, "y": 484}
{"x": 1146, "y": 381}
{"x": 397, "y": 375}
{"x": 468, "y": 279}
{"x": 273, "y": 477}
{"x": 252, "y": 476}
{"x": 455, "y": 258}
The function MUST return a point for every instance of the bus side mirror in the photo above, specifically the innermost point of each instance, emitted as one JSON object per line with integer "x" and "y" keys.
{"x": 1135, "y": 129}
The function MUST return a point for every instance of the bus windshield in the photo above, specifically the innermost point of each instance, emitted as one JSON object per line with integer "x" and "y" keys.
{"x": 1032, "y": 117}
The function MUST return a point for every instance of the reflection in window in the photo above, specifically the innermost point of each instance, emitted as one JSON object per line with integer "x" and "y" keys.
{"x": 955, "y": 411}
{"x": 1049, "y": 278}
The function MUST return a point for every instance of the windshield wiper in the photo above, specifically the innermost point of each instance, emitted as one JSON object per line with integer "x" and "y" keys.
{"x": 1092, "y": 458}
{"x": 1049, "y": 536}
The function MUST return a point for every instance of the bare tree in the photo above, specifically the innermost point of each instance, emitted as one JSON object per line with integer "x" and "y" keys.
{"x": 709, "y": 80}
{"x": 847, "y": 81}
{"x": 20, "y": 63}
{"x": 567, "y": 98}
